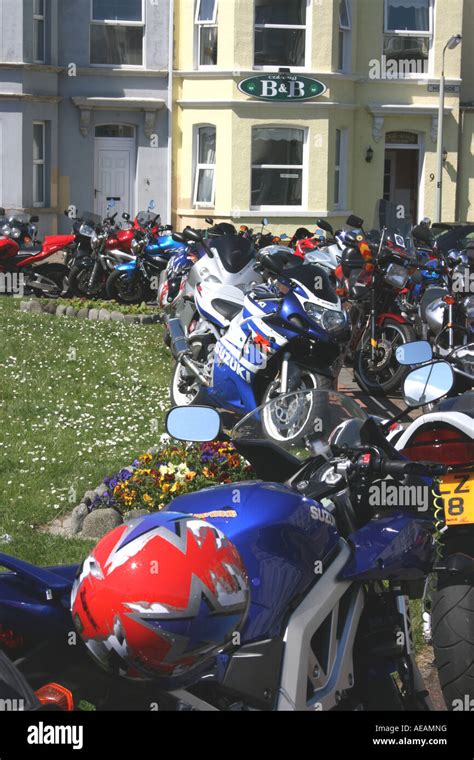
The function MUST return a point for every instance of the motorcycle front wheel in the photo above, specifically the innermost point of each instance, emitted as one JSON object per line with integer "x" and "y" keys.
{"x": 293, "y": 418}
{"x": 125, "y": 289}
{"x": 386, "y": 374}
{"x": 79, "y": 279}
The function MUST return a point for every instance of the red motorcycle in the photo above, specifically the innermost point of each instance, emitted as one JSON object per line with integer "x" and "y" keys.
{"x": 21, "y": 268}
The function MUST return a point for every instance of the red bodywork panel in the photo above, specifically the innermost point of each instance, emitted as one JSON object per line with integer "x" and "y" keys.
{"x": 121, "y": 239}
{"x": 52, "y": 244}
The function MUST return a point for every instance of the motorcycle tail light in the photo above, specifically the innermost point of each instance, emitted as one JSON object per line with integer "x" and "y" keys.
{"x": 9, "y": 639}
{"x": 339, "y": 273}
{"x": 55, "y": 697}
{"x": 440, "y": 443}
{"x": 450, "y": 300}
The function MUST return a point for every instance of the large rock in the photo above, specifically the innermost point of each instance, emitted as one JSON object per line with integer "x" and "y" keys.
{"x": 35, "y": 307}
{"x": 100, "y": 522}
{"x": 25, "y": 306}
{"x": 78, "y": 516}
{"x": 132, "y": 319}
{"x": 61, "y": 311}
{"x": 83, "y": 314}
{"x": 104, "y": 315}
{"x": 94, "y": 314}
{"x": 146, "y": 319}
{"x": 117, "y": 316}
{"x": 71, "y": 311}
{"x": 50, "y": 308}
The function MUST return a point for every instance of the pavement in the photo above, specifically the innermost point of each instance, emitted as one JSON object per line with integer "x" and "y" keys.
{"x": 382, "y": 406}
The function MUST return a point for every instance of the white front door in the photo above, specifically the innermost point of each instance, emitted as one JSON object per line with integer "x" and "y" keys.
{"x": 114, "y": 175}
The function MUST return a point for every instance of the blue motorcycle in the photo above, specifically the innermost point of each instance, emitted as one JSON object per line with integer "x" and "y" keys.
{"x": 139, "y": 280}
{"x": 291, "y": 334}
{"x": 287, "y": 593}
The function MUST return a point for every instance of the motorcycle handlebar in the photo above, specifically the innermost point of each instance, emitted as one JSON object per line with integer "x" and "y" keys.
{"x": 400, "y": 468}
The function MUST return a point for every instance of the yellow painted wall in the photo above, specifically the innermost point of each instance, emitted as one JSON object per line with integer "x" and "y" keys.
{"x": 217, "y": 93}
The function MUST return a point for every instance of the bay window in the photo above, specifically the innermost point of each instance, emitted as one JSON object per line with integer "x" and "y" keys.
{"x": 277, "y": 166}
{"x": 206, "y": 29}
{"x": 205, "y": 166}
{"x": 408, "y": 31}
{"x": 116, "y": 33}
{"x": 39, "y": 31}
{"x": 280, "y": 32}
{"x": 345, "y": 39}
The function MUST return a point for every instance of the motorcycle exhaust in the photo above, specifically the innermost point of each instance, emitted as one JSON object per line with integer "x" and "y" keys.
{"x": 181, "y": 350}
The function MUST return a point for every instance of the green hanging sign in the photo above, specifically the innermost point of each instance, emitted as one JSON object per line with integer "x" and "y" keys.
{"x": 282, "y": 87}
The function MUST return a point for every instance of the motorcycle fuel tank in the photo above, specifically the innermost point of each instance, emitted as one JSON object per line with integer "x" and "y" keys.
{"x": 285, "y": 541}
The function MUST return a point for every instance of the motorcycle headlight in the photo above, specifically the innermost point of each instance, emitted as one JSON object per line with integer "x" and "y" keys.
{"x": 135, "y": 246}
{"x": 86, "y": 230}
{"x": 396, "y": 276}
{"x": 5, "y": 230}
{"x": 329, "y": 319}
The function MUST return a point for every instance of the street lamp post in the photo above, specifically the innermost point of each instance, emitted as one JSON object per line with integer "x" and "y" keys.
{"x": 452, "y": 43}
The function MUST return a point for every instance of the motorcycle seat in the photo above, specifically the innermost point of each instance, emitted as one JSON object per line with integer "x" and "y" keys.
{"x": 226, "y": 308}
{"x": 463, "y": 404}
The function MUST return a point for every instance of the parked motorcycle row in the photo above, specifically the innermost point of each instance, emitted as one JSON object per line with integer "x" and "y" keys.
{"x": 290, "y": 592}
{"x": 248, "y": 322}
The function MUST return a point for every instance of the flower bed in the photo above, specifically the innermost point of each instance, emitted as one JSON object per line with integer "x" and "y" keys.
{"x": 155, "y": 479}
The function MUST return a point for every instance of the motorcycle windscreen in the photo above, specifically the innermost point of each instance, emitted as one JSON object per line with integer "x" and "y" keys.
{"x": 302, "y": 423}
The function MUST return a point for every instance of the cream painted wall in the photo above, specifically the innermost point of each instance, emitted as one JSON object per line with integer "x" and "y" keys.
{"x": 212, "y": 96}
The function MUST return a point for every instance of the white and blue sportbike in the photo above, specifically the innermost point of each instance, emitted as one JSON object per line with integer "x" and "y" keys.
{"x": 290, "y": 335}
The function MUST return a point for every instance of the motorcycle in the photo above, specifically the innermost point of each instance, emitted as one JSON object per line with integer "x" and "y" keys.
{"x": 139, "y": 279}
{"x": 287, "y": 593}
{"x": 290, "y": 334}
{"x": 371, "y": 276}
{"x": 24, "y": 268}
{"x": 445, "y": 434}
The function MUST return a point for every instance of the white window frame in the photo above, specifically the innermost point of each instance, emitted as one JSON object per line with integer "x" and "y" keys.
{"x": 340, "y": 170}
{"x": 118, "y": 22}
{"x": 40, "y": 162}
{"x": 345, "y": 33}
{"x": 198, "y": 167}
{"x": 198, "y": 26}
{"x": 308, "y": 36}
{"x": 303, "y": 167}
{"x": 37, "y": 19}
{"x": 412, "y": 33}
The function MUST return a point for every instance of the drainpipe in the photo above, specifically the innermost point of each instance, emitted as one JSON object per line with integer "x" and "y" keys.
{"x": 170, "y": 108}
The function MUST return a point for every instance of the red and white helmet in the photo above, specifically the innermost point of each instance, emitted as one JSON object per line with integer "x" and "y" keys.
{"x": 159, "y": 596}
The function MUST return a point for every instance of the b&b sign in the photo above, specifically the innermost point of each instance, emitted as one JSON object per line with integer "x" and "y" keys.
{"x": 280, "y": 87}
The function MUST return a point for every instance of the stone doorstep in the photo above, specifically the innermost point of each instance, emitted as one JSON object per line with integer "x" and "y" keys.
{"x": 101, "y": 315}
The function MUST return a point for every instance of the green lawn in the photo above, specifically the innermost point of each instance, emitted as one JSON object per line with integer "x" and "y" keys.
{"x": 78, "y": 400}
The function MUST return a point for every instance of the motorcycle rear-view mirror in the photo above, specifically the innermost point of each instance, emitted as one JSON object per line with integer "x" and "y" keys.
{"x": 265, "y": 221}
{"x": 193, "y": 423}
{"x": 209, "y": 221}
{"x": 325, "y": 226}
{"x": 126, "y": 217}
{"x": 355, "y": 222}
{"x": 427, "y": 384}
{"x": 423, "y": 233}
{"x": 178, "y": 237}
{"x": 34, "y": 219}
{"x": 417, "y": 352}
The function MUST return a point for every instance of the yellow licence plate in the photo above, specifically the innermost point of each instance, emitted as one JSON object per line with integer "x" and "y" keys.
{"x": 457, "y": 491}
